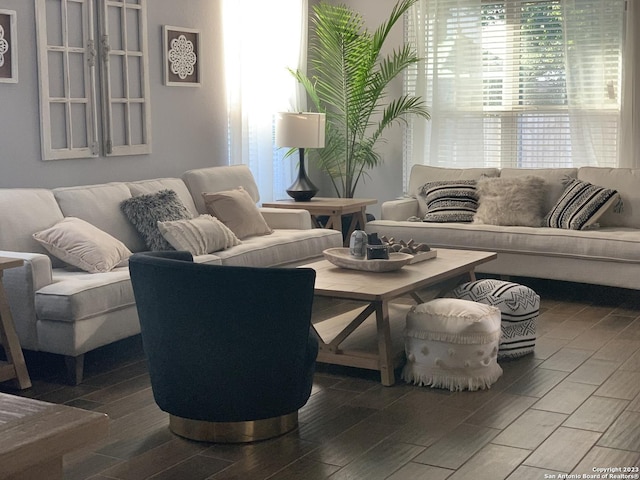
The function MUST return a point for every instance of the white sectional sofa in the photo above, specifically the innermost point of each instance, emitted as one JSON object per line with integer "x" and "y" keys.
{"x": 67, "y": 311}
{"x": 606, "y": 255}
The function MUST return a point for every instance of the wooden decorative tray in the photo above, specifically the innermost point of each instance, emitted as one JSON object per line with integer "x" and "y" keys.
{"x": 340, "y": 257}
{"x": 422, "y": 256}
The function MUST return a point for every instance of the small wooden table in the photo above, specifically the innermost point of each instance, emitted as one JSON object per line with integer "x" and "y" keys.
{"x": 34, "y": 436}
{"x": 377, "y": 290}
{"x": 334, "y": 208}
{"x": 15, "y": 366}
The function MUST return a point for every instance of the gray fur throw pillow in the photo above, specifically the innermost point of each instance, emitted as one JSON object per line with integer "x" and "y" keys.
{"x": 511, "y": 201}
{"x": 145, "y": 211}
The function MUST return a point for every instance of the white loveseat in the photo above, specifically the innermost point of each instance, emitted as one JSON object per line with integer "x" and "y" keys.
{"x": 607, "y": 255}
{"x": 69, "y": 312}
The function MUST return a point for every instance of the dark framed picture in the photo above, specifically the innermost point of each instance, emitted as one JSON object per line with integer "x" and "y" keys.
{"x": 181, "y": 47}
{"x": 8, "y": 47}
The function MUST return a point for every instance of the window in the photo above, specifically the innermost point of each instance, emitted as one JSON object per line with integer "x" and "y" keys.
{"x": 68, "y": 65}
{"x": 259, "y": 85}
{"x": 516, "y": 83}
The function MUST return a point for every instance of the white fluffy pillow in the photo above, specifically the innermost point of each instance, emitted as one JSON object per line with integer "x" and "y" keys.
{"x": 511, "y": 201}
{"x": 82, "y": 245}
{"x": 200, "y": 235}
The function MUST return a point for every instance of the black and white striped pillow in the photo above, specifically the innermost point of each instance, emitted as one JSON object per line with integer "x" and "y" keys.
{"x": 580, "y": 205}
{"x": 450, "y": 201}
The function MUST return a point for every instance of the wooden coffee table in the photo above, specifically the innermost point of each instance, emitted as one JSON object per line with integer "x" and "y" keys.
{"x": 377, "y": 290}
{"x": 35, "y": 435}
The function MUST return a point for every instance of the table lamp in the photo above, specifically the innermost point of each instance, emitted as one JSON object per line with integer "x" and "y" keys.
{"x": 301, "y": 130}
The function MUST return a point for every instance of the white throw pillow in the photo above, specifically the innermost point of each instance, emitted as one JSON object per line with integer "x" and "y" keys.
{"x": 200, "y": 235}
{"x": 84, "y": 246}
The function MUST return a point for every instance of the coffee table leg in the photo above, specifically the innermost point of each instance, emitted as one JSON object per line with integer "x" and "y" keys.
{"x": 384, "y": 344}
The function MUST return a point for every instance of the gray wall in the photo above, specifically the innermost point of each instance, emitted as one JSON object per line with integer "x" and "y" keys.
{"x": 188, "y": 124}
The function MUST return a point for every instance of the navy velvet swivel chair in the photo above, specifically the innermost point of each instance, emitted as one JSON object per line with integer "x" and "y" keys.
{"x": 230, "y": 353}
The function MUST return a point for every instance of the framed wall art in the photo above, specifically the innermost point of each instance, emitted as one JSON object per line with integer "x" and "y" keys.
{"x": 8, "y": 47}
{"x": 181, "y": 47}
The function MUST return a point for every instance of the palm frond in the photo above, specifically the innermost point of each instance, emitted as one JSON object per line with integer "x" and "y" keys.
{"x": 348, "y": 81}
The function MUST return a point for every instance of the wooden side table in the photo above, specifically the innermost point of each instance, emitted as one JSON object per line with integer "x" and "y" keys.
{"x": 15, "y": 366}
{"x": 334, "y": 208}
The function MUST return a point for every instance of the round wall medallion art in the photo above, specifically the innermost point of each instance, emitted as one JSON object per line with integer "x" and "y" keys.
{"x": 4, "y": 46}
{"x": 182, "y": 57}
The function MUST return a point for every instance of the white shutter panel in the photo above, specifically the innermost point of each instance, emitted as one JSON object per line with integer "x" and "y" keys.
{"x": 125, "y": 82}
{"x": 66, "y": 68}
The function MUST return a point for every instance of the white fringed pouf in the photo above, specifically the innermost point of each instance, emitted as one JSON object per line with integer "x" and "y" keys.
{"x": 519, "y": 306}
{"x": 453, "y": 344}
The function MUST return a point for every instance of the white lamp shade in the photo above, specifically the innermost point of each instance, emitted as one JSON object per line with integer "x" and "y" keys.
{"x": 300, "y": 130}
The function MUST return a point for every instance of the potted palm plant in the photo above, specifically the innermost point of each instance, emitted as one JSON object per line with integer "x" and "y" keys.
{"x": 349, "y": 80}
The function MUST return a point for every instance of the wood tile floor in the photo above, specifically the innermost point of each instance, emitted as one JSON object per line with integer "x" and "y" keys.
{"x": 571, "y": 407}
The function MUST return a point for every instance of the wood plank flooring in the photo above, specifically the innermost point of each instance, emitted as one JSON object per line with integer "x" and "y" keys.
{"x": 572, "y": 406}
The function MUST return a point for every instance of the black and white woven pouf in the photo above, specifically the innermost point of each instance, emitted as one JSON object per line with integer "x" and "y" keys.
{"x": 519, "y": 306}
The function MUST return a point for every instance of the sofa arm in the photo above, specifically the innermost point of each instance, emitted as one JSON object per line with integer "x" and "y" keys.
{"x": 400, "y": 209}
{"x": 21, "y": 284}
{"x": 294, "y": 218}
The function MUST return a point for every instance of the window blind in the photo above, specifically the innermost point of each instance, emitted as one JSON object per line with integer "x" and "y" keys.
{"x": 516, "y": 83}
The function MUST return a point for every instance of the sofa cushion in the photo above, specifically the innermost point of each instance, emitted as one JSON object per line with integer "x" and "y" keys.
{"x": 218, "y": 179}
{"x": 281, "y": 247}
{"x": 581, "y": 205}
{"x": 237, "y": 210}
{"x": 450, "y": 200}
{"x": 24, "y": 211}
{"x": 145, "y": 211}
{"x": 511, "y": 201}
{"x": 421, "y": 174}
{"x": 606, "y": 244}
{"x": 75, "y": 296}
{"x": 625, "y": 181}
{"x": 199, "y": 236}
{"x": 155, "y": 185}
{"x": 100, "y": 206}
{"x": 82, "y": 245}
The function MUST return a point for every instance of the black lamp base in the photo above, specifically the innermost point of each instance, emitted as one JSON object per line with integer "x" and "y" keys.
{"x": 302, "y": 189}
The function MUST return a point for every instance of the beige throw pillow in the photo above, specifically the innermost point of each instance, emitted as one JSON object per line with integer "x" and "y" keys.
{"x": 237, "y": 210}
{"x": 511, "y": 201}
{"x": 199, "y": 236}
{"x": 82, "y": 245}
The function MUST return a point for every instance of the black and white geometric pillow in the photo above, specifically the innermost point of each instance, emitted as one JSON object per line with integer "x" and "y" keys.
{"x": 580, "y": 205}
{"x": 450, "y": 201}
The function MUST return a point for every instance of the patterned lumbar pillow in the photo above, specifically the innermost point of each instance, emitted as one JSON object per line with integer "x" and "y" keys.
{"x": 580, "y": 205}
{"x": 145, "y": 211}
{"x": 450, "y": 200}
{"x": 199, "y": 236}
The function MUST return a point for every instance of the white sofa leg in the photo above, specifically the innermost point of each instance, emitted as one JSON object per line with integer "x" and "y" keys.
{"x": 75, "y": 368}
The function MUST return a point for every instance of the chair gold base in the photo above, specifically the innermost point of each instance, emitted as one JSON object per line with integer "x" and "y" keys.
{"x": 233, "y": 432}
